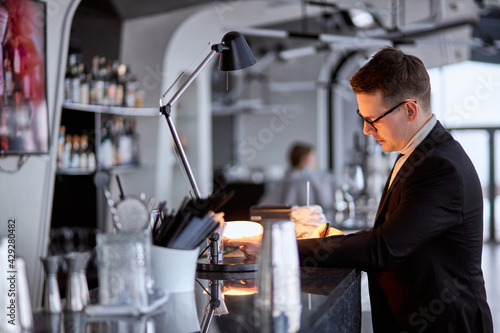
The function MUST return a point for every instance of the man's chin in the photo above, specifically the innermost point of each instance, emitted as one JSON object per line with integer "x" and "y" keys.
{"x": 385, "y": 146}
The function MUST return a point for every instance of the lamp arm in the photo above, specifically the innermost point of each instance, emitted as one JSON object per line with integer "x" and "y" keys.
{"x": 214, "y": 303}
{"x": 216, "y": 48}
{"x": 188, "y": 82}
{"x": 167, "y": 109}
{"x": 182, "y": 155}
{"x": 207, "y": 320}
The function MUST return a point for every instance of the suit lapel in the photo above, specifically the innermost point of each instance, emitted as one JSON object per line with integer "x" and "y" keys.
{"x": 424, "y": 149}
{"x": 385, "y": 193}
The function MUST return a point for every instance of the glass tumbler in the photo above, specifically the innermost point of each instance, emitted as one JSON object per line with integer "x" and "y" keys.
{"x": 278, "y": 279}
{"x": 123, "y": 268}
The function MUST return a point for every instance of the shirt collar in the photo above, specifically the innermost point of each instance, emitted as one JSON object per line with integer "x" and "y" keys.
{"x": 419, "y": 136}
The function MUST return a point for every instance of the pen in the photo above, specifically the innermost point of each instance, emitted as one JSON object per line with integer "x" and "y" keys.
{"x": 326, "y": 229}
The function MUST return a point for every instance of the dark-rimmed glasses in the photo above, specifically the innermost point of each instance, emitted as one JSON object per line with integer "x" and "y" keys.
{"x": 371, "y": 122}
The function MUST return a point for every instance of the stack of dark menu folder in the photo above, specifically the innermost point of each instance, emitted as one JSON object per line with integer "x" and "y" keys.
{"x": 191, "y": 224}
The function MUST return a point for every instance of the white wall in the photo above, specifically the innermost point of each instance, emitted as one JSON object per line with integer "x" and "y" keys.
{"x": 178, "y": 41}
{"x": 27, "y": 194}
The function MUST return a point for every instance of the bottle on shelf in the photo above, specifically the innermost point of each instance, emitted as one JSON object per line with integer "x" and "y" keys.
{"x": 68, "y": 90}
{"x": 91, "y": 161}
{"x": 93, "y": 77}
{"x": 139, "y": 97}
{"x": 108, "y": 83}
{"x": 75, "y": 81}
{"x": 84, "y": 148}
{"x": 95, "y": 68}
{"x": 75, "y": 152}
{"x": 106, "y": 147}
{"x": 121, "y": 83}
{"x": 119, "y": 145}
{"x": 66, "y": 156}
{"x": 100, "y": 86}
{"x": 102, "y": 68}
{"x": 133, "y": 140}
{"x": 105, "y": 75}
{"x": 130, "y": 94}
{"x": 84, "y": 84}
{"x": 60, "y": 146}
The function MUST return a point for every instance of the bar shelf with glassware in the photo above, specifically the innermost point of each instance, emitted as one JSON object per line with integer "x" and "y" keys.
{"x": 111, "y": 143}
{"x": 107, "y": 83}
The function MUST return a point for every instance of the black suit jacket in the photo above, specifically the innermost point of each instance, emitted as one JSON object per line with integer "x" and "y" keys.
{"x": 423, "y": 254}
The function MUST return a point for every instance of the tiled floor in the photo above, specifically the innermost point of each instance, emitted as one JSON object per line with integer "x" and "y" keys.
{"x": 491, "y": 271}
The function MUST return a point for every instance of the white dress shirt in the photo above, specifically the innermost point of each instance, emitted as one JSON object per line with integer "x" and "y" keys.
{"x": 412, "y": 144}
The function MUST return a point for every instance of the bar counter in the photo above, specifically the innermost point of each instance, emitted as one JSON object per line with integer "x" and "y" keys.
{"x": 331, "y": 302}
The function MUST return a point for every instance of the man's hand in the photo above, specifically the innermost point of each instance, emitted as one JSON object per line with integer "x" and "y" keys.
{"x": 250, "y": 246}
{"x": 320, "y": 231}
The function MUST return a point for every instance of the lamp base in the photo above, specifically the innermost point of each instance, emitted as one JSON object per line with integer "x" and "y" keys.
{"x": 223, "y": 276}
{"x": 229, "y": 264}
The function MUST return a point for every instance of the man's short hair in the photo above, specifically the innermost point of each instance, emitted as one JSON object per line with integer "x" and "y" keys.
{"x": 397, "y": 75}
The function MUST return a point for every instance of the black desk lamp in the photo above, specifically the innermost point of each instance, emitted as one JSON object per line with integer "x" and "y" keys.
{"x": 234, "y": 54}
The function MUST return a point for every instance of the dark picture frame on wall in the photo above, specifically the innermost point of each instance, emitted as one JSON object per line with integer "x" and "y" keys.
{"x": 24, "y": 126}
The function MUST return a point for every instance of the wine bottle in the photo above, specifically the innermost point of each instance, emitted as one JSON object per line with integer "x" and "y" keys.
{"x": 131, "y": 89}
{"x": 111, "y": 84}
{"x": 98, "y": 80}
{"x": 60, "y": 146}
{"x": 84, "y": 84}
{"x": 103, "y": 82}
{"x": 126, "y": 142}
{"x": 94, "y": 74}
{"x": 91, "y": 160}
{"x": 106, "y": 147}
{"x": 75, "y": 79}
{"x": 66, "y": 158}
{"x": 84, "y": 145}
{"x": 75, "y": 152}
{"x": 121, "y": 83}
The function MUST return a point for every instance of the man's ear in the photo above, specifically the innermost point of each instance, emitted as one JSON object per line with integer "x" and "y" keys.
{"x": 411, "y": 110}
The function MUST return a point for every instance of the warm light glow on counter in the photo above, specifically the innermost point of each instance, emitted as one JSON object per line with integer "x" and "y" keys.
{"x": 240, "y": 229}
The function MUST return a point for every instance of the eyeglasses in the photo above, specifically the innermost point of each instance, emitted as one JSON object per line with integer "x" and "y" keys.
{"x": 371, "y": 122}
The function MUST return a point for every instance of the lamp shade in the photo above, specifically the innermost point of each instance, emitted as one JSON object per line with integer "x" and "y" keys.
{"x": 238, "y": 55}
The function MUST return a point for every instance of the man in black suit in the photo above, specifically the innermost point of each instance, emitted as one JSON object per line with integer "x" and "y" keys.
{"x": 423, "y": 254}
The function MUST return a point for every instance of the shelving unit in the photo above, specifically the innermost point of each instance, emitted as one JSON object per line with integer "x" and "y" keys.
{"x": 75, "y": 188}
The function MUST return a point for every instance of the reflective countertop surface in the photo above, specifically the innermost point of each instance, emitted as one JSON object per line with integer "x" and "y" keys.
{"x": 224, "y": 302}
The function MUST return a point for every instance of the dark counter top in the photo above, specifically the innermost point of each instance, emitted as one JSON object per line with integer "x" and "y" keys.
{"x": 330, "y": 298}
{"x": 341, "y": 307}
{"x": 331, "y": 302}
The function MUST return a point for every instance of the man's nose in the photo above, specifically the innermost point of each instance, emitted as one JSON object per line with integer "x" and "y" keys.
{"x": 367, "y": 128}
